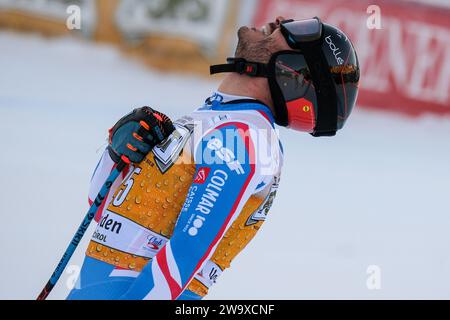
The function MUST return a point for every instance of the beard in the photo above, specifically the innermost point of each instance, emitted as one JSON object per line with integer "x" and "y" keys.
{"x": 253, "y": 50}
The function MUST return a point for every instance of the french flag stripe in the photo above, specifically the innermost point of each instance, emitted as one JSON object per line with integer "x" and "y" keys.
{"x": 173, "y": 267}
{"x": 221, "y": 232}
{"x": 175, "y": 288}
{"x": 161, "y": 289}
{"x": 251, "y": 151}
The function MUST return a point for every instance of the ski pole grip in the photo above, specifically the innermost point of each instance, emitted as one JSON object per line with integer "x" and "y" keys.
{"x": 124, "y": 161}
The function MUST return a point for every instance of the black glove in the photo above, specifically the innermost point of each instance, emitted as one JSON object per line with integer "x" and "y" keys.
{"x": 137, "y": 133}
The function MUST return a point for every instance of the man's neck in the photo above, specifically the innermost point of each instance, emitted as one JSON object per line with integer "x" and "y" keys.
{"x": 242, "y": 85}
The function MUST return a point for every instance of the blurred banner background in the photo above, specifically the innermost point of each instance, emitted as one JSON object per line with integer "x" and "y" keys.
{"x": 406, "y": 64}
{"x": 365, "y": 215}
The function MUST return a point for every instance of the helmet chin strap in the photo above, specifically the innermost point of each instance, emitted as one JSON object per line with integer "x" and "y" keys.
{"x": 241, "y": 66}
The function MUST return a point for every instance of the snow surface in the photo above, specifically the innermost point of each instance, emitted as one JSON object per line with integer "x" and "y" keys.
{"x": 376, "y": 194}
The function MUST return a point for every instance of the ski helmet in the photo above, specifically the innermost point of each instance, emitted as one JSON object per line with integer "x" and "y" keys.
{"x": 314, "y": 86}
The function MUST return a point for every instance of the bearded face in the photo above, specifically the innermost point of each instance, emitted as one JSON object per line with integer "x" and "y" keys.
{"x": 258, "y": 45}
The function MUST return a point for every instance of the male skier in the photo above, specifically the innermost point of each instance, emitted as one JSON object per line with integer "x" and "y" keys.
{"x": 179, "y": 215}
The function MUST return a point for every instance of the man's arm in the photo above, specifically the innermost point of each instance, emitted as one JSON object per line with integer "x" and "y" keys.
{"x": 226, "y": 176}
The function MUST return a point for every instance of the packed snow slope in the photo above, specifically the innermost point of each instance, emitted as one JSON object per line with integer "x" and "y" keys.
{"x": 376, "y": 194}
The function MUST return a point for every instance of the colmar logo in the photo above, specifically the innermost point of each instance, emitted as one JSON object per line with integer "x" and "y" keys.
{"x": 197, "y": 224}
{"x": 202, "y": 175}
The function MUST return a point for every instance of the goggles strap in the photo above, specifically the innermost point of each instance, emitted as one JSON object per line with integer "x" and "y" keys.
{"x": 241, "y": 66}
{"x": 325, "y": 90}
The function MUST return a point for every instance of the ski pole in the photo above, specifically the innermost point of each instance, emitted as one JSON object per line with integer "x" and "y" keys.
{"x": 124, "y": 161}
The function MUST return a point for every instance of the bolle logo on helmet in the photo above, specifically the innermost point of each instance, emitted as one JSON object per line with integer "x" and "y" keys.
{"x": 202, "y": 175}
{"x": 336, "y": 51}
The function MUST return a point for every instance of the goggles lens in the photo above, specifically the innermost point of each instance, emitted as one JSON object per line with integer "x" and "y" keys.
{"x": 292, "y": 75}
{"x": 294, "y": 80}
{"x": 299, "y": 31}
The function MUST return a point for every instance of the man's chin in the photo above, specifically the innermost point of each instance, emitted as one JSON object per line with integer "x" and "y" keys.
{"x": 242, "y": 30}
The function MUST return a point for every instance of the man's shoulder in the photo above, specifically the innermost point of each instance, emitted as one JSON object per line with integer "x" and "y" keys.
{"x": 245, "y": 132}
{"x": 235, "y": 114}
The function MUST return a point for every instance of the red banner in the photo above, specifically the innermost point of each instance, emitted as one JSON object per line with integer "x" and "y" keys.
{"x": 405, "y": 65}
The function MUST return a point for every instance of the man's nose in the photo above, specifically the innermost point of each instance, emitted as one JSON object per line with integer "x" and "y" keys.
{"x": 278, "y": 20}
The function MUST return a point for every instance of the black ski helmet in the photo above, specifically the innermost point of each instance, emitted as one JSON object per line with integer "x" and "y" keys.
{"x": 314, "y": 86}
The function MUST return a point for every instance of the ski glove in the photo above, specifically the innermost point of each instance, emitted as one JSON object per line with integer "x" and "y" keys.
{"x": 137, "y": 133}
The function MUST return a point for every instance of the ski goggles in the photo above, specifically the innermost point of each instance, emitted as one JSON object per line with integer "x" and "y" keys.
{"x": 300, "y": 31}
{"x": 310, "y": 101}
{"x": 293, "y": 91}
{"x": 300, "y": 83}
